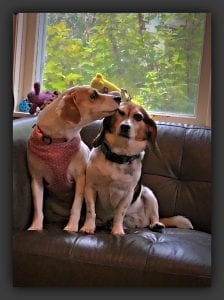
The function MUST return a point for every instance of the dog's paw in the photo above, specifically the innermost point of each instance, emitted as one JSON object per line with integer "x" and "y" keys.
{"x": 36, "y": 226}
{"x": 87, "y": 229}
{"x": 157, "y": 226}
{"x": 117, "y": 230}
{"x": 71, "y": 228}
{"x": 120, "y": 233}
{"x": 89, "y": 226}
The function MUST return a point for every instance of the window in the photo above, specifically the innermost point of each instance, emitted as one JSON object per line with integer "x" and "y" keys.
{"x": 160, "y": 58}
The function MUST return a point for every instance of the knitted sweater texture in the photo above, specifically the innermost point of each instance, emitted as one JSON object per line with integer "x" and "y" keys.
{"x": 57, "y": 157}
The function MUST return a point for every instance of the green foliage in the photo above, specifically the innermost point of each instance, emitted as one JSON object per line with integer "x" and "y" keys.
{"x": 155, "y": 56}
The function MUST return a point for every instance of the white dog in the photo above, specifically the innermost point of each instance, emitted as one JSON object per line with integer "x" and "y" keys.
{"x": 56, "y": 155}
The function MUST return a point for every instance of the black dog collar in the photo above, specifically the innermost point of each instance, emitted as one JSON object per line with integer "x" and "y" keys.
{"x": 120, "y": 159}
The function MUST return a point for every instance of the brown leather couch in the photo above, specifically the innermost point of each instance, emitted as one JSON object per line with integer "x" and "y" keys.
{"x": 175, "y": 257}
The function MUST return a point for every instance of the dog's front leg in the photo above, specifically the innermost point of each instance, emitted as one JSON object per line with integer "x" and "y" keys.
{"x": 77, "y": 205}
{"x": 119, "y": 215}
{"x": 37, "y": 193}
{"x": 90, "y": 221}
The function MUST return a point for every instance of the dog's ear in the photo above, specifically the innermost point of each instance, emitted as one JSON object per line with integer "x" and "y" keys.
{"x": 152, "y": 131}
{"x": 69, "y": 110}
{"x": 152, "y": 135}
{"x": 99, "y": 139}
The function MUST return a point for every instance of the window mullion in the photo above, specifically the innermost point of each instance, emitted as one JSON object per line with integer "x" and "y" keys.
{"x": 204, "y": 94}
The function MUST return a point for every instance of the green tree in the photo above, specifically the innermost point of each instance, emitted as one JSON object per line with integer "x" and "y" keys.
{"x": 155, "y": 56}
{"x": 172, "y": 82}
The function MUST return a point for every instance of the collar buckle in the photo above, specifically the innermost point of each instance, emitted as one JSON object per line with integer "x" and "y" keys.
{"x": 47, "y": 139}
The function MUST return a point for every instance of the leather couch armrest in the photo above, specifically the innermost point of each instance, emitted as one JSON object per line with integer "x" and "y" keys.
{"x": 22, "y": 198}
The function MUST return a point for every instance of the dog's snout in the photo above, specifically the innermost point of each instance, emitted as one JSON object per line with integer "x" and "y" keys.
{"x": 117, "y": 99}
{"x": 125, "y": 127}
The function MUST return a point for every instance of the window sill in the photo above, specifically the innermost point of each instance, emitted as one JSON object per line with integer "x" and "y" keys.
{"x": 18, "y": 114}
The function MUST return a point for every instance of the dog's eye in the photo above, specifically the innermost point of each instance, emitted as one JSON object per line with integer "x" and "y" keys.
{"x": 122, "y": 113}
{"x": 93, "y": 96}
{"x": 138, "y": 117}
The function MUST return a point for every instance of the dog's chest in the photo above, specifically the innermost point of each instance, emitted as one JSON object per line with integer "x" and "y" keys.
{"x": 114, "y": 183}
{"x": 120, "y": 175}
{"x": 56, "y": 158}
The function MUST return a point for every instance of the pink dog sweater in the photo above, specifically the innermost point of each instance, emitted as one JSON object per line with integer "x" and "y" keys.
{"x": 57, "y": 156}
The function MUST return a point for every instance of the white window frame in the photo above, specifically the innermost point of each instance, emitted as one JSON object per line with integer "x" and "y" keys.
{"x": 28, "y": 32}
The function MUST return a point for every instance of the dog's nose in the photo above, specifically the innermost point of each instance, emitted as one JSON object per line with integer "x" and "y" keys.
{"x": 125, "y": 127}
{"x": 117, "y": 99}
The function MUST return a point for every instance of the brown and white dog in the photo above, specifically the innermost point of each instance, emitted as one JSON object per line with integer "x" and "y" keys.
{"x": 113, "y": 189}
{"x": 56, "y": 155}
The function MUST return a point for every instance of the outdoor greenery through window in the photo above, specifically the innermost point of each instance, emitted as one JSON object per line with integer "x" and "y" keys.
{"x": 155, "y": 56}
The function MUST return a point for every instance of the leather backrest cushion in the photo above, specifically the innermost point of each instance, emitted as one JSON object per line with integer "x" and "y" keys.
{"x": 181, "y": 176}
{"x": 89, "y": 132}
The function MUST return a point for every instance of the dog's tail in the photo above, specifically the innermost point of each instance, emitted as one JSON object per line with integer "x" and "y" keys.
{"x": 177, "y": 221}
